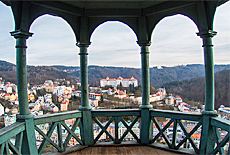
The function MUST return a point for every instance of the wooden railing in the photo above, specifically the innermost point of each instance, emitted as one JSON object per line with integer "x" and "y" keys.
{"x": 6, "y": 145}
{"x": 221, "y": 140}
{"x": 116, "y": 116}
{"x": 56, "y": 122}
{"x": 175, "y": 121}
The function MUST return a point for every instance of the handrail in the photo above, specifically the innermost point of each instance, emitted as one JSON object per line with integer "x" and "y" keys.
{"x": 48, "y": 118}
{"x": 9, "y": 131}
{"x": 116, "y": 112}
{"x": 221, "y": 123}
{"x": 176, "y": 115}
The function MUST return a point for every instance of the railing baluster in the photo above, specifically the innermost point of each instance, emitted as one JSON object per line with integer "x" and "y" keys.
{"x": 20, "y": 141}
{"x": 7, "y": 150}
{"x": 59, "y": 132}
{"x": 47, "y": 138}
{"x": 161, "y": 131}
{"x": 174, "y": 133}
{"x": 221, "y": 144}
{"x": 104, "y": 129}
{"x": 116, "y": 141}
{"x": 71, "y": 133}
{"x": 2, "y": 148}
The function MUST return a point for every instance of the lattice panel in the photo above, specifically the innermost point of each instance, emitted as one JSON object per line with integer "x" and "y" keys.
{"x": 174, "y": 142}
{"x": 55, "y": 129}
{"x": 114, "y": 135}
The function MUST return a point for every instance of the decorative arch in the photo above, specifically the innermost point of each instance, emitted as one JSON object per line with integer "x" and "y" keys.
{"x": 158, "y": 19}
{"x": 95, "y": 23}
{"x": 72, "y": 23}
{"x": 182, "y": 29}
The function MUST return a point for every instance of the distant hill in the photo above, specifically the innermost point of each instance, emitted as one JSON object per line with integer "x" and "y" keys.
{"x": 158, "y": 77}
{"x": 194, "y": 89}
{"x": 35, "y": 74}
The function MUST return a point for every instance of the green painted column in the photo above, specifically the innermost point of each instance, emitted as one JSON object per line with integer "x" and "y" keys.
{"x": 84, "y": 75}
{"x": 86, "y": 121}
{"x": 208, "y": 136}
{"x": 209, "y": 68}
{"x": 21, "y": 38}
{"x": 146, "y": 128}
{"x": 28, "y": 145}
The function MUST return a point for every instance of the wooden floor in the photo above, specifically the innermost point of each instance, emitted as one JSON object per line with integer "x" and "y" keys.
{"x": 122, "y": 150}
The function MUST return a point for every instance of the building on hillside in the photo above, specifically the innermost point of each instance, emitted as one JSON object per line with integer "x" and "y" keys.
{"x": 60, "y": 90}
{"x": 183, "y": 107}
{"x": 48, "y": 98}
{"x": 64, "y": 106}
{"x": 120, "y": 94}
{"x": 95, "y": 96}
{"x": 169, "y": 100}
{"x": 93, "y": 102}
{"x": 48, "y": 82}
{"x": 178, "y": 100}
{"x": 115, "y": 82}
{"x": 1, "y": 109}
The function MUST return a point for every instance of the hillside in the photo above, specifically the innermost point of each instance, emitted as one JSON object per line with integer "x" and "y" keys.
{"x": 35, "y": 75}
{"x": 194, "y": 89}
{"x": 158, "y": 77}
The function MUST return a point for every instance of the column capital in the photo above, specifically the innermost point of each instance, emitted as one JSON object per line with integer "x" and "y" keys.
{"x": 83, "y": 44}
{"x": 208, "y": 33}
{"x": 21, "y": 34}
{"x": 144, "y": 43}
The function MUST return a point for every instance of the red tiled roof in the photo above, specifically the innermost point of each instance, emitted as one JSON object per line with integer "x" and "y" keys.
{"x": 196, "y": 136}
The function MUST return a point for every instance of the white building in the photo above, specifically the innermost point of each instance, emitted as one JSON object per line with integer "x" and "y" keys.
{"x": 1, "y": 109}
{"x": 115, "y": 82}
{"x": 61, "y": 90}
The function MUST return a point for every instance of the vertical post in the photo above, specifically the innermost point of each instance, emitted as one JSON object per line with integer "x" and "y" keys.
{"x": 146, "y": 129}
{"x": 208, "y": 136}
{"x": 29, "y": 141}
{"x": 86, "y": 121}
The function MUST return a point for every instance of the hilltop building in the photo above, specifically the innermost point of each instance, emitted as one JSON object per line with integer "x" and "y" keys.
{"x": 115, "y": 82}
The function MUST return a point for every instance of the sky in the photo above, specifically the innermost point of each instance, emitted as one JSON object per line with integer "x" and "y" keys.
{"x": 174, "y": 42}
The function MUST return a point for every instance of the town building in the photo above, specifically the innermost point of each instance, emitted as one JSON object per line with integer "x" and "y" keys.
{"x": 118, "y": 81}
{"x": 1, "y": 109}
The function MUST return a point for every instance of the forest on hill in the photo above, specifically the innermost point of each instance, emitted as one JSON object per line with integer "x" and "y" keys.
{"x": 158, "y": 77}
{"x": 194, "y": 89}
{"x": 186, "y": 81}
{"x": 35, "y": 74}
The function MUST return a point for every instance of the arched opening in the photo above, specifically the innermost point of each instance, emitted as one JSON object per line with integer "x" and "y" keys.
{"x": 114, "y": 44}
{"x": 174, "y": 42}
{"x": 53, "y": 47}
{"x": 53, "y": 42}
{"x": 177, "y": 54}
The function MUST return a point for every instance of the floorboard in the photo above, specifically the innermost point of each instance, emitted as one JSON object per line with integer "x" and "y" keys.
{"x": 121, "y": 150}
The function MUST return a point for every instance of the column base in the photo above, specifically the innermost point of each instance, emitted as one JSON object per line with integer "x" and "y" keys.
{"x": 23, "y": 117}
{"x": 87, "y": 108}
{"x": 211, "y": 113}
{"x": 146, "y": 106}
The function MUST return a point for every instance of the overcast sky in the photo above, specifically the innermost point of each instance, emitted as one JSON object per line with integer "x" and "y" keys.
{"x": 174, "y": 42}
